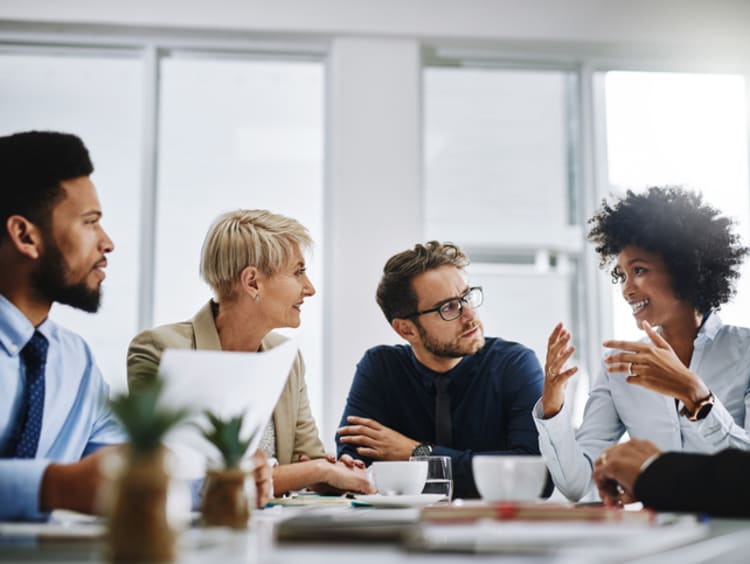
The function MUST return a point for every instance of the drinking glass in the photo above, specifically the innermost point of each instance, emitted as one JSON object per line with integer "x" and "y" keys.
{"x": 439, "y": 475}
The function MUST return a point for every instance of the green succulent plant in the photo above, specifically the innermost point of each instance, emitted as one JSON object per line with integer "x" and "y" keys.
{"x": 145, "y": 422}
{"x": 224, "y": 434}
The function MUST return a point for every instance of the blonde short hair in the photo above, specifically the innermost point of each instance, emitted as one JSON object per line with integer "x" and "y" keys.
{"x": 243, "y": 238}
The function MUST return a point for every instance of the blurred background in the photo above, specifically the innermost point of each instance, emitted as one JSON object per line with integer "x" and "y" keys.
{"x": 497, "y": 124}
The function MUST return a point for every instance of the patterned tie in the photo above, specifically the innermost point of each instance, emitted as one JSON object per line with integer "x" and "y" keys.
{"x": 34, "y": 356}
{"x": 443, "y": 424}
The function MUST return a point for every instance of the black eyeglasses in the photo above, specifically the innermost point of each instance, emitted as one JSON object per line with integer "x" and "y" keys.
{"x": 451, "y": 309}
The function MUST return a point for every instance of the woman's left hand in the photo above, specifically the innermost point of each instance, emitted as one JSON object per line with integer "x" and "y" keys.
{"x": 656, "y": 367}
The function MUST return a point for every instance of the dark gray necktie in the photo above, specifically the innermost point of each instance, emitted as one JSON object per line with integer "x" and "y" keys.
{"x": 34, "y": 356}
{"x": 443, "y": 424}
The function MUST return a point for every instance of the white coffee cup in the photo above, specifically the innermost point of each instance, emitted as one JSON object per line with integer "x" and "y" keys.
{"x": 399, "y": 477}
{"x": 509, "y": 478}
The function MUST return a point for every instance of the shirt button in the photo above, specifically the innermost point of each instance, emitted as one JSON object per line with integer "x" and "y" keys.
{"x": 13, "y": 348}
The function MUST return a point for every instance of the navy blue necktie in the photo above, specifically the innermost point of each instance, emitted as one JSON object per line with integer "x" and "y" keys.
{"x": 34, "y": 356}
{"x": 443, "y": 424}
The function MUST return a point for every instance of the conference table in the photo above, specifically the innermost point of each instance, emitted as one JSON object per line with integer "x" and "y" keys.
{"x": 362, "y": 535}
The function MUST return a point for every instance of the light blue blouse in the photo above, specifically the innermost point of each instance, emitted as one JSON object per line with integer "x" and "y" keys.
{"x": 721, "y": 357}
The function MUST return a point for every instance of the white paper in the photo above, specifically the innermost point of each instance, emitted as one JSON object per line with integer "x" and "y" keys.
{"x": 581, "y": 541}
{"x": 228, "y": 384}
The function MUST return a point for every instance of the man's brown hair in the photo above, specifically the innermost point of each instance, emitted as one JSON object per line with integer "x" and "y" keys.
{"x": 395, "y": 295}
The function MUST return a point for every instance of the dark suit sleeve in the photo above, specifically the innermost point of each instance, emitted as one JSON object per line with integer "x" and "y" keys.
{"x": 698, "y": 483}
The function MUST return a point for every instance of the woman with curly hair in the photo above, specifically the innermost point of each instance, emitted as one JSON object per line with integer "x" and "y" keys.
{"x": 685, "y": 386}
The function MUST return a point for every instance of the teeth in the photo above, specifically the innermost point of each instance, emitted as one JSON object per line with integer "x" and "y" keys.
{"x": 638, "y": 306}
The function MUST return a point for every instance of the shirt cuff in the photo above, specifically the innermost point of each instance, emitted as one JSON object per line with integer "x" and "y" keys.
{"x": 716, "y": 426}
{"x": 647, "y": 462}
{"x": 559, "y": 422}
{"x": 20, "y": 485}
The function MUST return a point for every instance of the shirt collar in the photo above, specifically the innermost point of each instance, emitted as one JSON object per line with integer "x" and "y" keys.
{"x": 427, "y": 375}
{"x": 15, "y": 328}
{"x": 710, "y": 327}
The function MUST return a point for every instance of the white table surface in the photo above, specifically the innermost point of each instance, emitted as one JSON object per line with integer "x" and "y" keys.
{"x": 727, "y": 541}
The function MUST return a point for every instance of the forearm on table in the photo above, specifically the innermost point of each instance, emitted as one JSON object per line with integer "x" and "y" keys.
{"x": 20, "y": 484}
{"x": 299, "y": 475}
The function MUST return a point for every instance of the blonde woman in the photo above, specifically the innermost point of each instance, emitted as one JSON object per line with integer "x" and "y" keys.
{"x": 253, "y": 260}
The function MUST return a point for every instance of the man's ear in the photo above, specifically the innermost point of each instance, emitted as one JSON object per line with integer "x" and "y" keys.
{"x": 249, "y": 280}
{"x": 24, "y": 236}
{"x": 405, "y": 328}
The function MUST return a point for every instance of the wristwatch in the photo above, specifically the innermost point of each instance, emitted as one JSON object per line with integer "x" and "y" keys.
{"x": 422, "y": 449}
{"x": 702, "y": 409}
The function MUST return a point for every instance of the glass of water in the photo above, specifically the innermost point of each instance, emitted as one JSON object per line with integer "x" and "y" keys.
{"x": 439, "y": 475}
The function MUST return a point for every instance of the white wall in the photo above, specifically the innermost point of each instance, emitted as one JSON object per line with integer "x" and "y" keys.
{"x": 691, "y": 21}
{"x": 374, "y": 195}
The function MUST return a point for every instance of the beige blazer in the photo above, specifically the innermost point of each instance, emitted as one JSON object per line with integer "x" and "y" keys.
{"x": 296, "y": 432}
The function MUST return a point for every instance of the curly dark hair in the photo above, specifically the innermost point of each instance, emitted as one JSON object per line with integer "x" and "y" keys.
{"x": 699, "y": 249}
{"x": 395, "y": 294}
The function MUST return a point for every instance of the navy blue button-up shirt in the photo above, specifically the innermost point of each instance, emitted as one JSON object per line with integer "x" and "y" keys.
{"x": 492, "y": 393}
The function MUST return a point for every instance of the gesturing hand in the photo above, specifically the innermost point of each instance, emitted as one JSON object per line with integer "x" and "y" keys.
{"x": 375, "y": 440}
{"x": 657, "y": 367}
{"x": 556, "y": 376}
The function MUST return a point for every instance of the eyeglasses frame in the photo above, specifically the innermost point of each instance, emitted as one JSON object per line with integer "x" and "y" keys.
{"x": 461, "y": 301}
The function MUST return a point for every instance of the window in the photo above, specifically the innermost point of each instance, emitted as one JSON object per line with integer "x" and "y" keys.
{"x": 77, "y": 92}
{"x": 234, "y": 134}
{"x": 500, "y": 179}
{"x": 680, "y": 129}
{"x": 234, "y": 131}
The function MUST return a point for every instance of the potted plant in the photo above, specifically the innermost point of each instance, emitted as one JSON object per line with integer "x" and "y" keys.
{"x": 226, "y": 502}
{"x": 139, "y": 529}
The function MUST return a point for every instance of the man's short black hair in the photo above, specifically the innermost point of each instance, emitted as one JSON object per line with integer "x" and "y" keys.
{"x": 32, "y": 165}
{"x": 701, "y": 252}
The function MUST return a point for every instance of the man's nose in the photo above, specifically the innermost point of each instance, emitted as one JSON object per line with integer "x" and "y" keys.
{"x": 467, "y": 312}
{"x": 106, "y": 244}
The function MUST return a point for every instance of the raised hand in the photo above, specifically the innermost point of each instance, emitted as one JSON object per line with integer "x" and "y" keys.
{"x": 657, "y": 367}
{"x": 556, "y": 375}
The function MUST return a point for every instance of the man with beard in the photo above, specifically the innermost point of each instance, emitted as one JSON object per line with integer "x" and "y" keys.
{"x": 54, "y": 418}
{"x": 487, "y": 386}
{"x": 53, "y": 399}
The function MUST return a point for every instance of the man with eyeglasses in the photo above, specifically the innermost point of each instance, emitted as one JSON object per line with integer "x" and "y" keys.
{"x": 449, "y": 391}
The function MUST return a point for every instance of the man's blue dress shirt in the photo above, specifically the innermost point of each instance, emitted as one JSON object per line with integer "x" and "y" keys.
{"x": 76, "y": 418}
{"x": 492, "y": 393}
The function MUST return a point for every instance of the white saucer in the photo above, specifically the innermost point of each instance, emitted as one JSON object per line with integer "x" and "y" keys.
{"x": 415, "y": 500}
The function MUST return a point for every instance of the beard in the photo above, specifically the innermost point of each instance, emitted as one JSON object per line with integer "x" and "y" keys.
{"x": 51, "y": 281}
{"x": 454, "y": 348}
